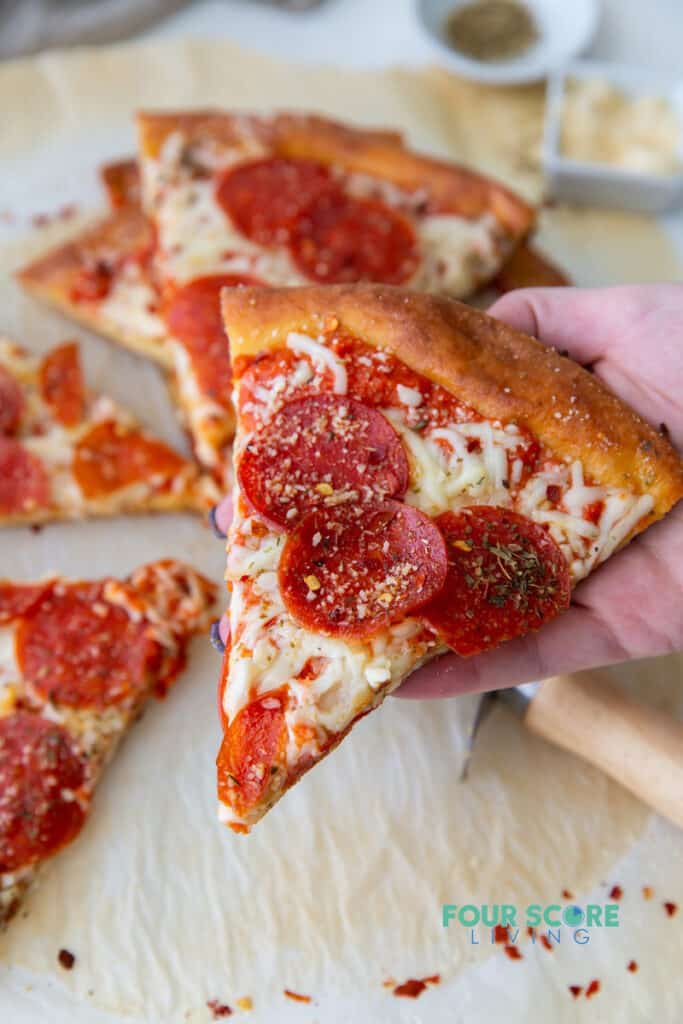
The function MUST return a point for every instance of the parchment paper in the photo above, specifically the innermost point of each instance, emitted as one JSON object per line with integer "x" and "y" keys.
{"x": 340, "y": 888}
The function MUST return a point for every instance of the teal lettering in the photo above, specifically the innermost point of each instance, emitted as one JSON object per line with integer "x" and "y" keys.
{"x": 593, "y": 915}
{"x": 553, "y": 908}
{"x": 489, "y": 914}
{"x": 448, "y": 913}
{"x": 582, "y": 936}
{"x": 611, "y": 915}
{"x": 468, "y": 915}
{"x": 533, "y": 915}
{"x": 508, "y": 915}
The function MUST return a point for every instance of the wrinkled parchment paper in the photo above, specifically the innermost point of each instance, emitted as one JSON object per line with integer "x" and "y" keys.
{"x": 341, "y": 887}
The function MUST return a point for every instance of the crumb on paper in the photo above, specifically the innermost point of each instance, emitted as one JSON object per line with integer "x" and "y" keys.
{"x": 245, "y": 1003}
{"x": 218, "y": 1009}
{"x": 414, "y": 987}
{"x": 632, "y": 966}
{"x": 66, "y": 959}
{"x": 296, "y": 996}
{"x": 576, "y": 990}
{"x": 648, "y": 892}
{"x": 616, "y": 892}
{"x": 513, "y": 952}
{"x": 671, "y": 909}
{"x": 593, "y": 988}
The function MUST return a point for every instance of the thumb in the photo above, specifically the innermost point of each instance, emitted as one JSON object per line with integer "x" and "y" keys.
{"x": 584, "y": 322}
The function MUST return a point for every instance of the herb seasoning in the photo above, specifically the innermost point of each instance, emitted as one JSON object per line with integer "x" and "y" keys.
{"x": 491, "y": 29}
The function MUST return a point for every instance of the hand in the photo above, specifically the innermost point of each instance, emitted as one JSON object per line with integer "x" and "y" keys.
{"x": 631, "y": 607}
{"x": 632, "y": 338}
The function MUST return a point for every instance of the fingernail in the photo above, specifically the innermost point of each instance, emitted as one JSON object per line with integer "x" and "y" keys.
{"x": 214, "y": 524}
{"x": 215, "y": 637}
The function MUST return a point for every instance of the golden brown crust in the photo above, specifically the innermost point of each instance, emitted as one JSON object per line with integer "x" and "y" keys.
{"x": 54, "y": 275}
{"x": 502, "y": 373}
{"x": 529, "y": 268}
{"x": 121, "y": 181}
{"x": 453, "y": 189}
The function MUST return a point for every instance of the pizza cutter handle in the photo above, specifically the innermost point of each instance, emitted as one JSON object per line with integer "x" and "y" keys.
{"x": 640, "y": 747}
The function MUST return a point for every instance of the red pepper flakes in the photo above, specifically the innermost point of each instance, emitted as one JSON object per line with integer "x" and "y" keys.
{"x": 546, "y": 943}
{"x": 219, "y": 1010}
{"x": 632, "y": 966}
{"x": 513, "y": 952}
{"x": 671, "y": 909}
{"x": 576, "y": 990}
{"x": 647, "y": 892}
{"x": 414, "y": 987}
{"x": 567, "y": 895}
{"x": 531, "y": 932}
{"x": 66, "y": 959}
{"x": 501, "y": 933}
{"x": 296, "y": 997}
{"x": 593, "y": 988}
{"x": 616, "y": 892}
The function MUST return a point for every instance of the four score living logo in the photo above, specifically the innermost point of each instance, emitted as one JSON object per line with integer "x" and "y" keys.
{"x": 556, "y": 921}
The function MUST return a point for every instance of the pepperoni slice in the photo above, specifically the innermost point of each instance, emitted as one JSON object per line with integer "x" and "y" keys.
{"x": 321, "y": 450}
{"x": 351, "y": 572}
{"x": 506, "y": 576}
{"x": 16, "y": 599}
{"x": 24, "y": 483}
{"x": 339, "y": 239}
{"x": 264, "y": 198}
{"x": 75, "y": 648}
{"x": 61, "y": 384}
{"x": 11, "y": 402}
{"x": 40, "y": 773}
{"x": 252, "y": 751}
{"x": 109, "y": 458}
{"x": 193, "y": 316}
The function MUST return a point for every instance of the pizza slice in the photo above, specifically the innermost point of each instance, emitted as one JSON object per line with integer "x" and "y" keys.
{"x": 412, "y": 476}
{"x": 238, "y": 200}
{"x": 67, "y": 454}
{"x": 103, "y": 278}
{"x": 79, "y": 660}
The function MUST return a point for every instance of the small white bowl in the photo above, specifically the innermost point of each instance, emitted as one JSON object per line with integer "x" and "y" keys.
{"x": 599, "y": 184}
{"x": 565, "y": 29}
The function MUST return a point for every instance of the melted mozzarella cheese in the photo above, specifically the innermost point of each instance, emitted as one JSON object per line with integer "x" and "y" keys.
{"x": 130, "y": 303}
{"x": 322, "y": 357}
{"x": 9, "y": 670}
{"x": 196, "y": 237}
{"x": 444, "y": 474}
{"x": 202, "y": 412}
{"x": 264, "y": 657}
{"x": 584, "y": 543}
{"x": 458, "y": 254}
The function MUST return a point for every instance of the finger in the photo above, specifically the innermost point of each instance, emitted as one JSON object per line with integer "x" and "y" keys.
{"x": 582, "y": 321}
{"x": 576, "y": 641}
{"x": 220, "y": 517}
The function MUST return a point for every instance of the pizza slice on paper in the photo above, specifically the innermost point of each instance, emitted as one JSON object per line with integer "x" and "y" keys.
{"x": 79, "y": 660}
{"x": 68, "y": 454}
{"x": 103, "y": 277}
{"x": 412, "y": 476}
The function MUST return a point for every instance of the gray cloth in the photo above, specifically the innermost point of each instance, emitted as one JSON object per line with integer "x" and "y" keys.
{"x": 27, "y": 26}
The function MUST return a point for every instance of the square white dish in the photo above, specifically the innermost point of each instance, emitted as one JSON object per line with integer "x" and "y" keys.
{"x": 600, "y": 184}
